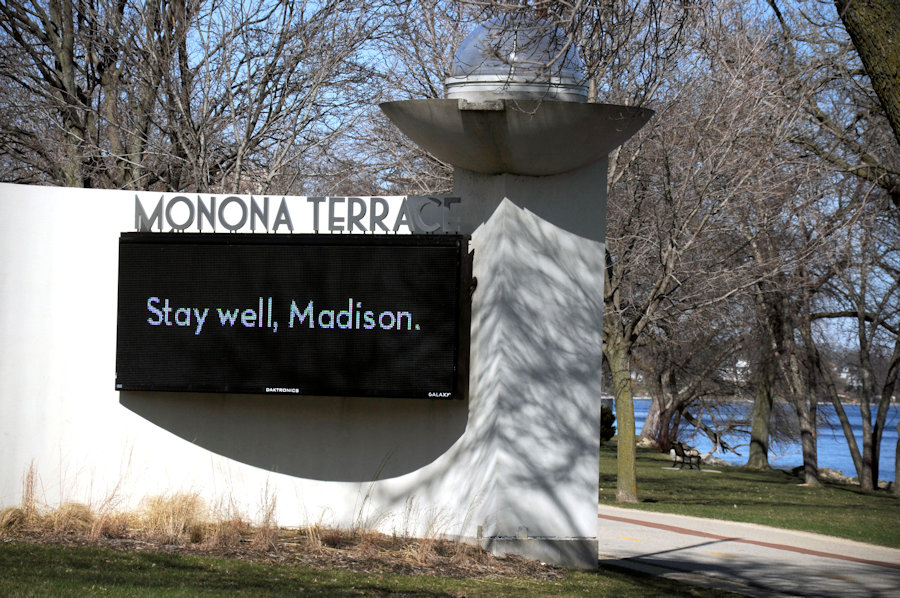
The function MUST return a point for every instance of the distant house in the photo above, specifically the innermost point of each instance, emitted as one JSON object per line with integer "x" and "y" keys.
{"x": 738, "y": 373}
{"x": 848, "y": 375}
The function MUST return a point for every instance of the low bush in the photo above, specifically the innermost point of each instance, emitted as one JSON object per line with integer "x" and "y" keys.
{"x": 607, "y": 423}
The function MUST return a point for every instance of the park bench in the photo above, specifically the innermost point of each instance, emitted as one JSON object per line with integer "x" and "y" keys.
{"x": 687, "y": 456}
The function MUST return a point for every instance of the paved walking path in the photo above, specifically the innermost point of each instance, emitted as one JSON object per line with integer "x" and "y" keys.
{"x": 750, "y": 559}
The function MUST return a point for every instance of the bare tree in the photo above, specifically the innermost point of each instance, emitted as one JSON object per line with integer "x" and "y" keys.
{"x": 180, "y": 93}
{"x": 415, "y": 59}
{"x": 866, "y": 291}
{"x": 690, "y": 359}
{"x": 848, "y": 125}
{"x": 673, "y": 211}
{"x": 843, "y": 142}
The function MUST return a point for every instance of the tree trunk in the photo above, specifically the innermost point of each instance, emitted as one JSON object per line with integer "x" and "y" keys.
{"x": 867, "y": 479}
{"x": 896, "y": 484}
{"x": 67, "y": 93}
{"x": 668, "y": 429}
{"x": 884, "y": 403}
{"x": 658, "y": 426}
{"x": 620, "y": 367}
{"x": 758, "y": 457}
{"x": 650, "y": 429}
{"x": 867, "y": 475}
{"x": 804, "y": 404}
{"x": 873, "y": 27}
{"x": 841, "y": 413}
{"x": 668, "y": 417}
{"x": 803, "y": 382}
{"x": 807, "y": 421}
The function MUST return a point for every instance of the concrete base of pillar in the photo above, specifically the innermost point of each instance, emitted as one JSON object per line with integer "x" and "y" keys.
{"x": 573, "y": 552}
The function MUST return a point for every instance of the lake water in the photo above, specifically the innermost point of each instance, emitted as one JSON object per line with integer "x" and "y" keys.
{"x": 833, "y": 450}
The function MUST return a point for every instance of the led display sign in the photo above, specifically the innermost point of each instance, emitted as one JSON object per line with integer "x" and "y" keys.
{"x": 321, "y": 315}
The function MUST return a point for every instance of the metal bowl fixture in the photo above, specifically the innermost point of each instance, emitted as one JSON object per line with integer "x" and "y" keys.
{"x": 516, "y": 104}
{"x": 526, "y": 137}
{"x": 521, "y": 57}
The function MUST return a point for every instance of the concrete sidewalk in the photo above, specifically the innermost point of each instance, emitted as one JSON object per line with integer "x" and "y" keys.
{"x": 749, "y": 559}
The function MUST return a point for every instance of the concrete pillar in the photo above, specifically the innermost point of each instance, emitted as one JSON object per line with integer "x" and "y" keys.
{"x": 536, "y": 357}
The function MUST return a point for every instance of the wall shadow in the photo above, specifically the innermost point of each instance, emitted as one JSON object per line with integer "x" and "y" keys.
{"x": 328, "y": 439}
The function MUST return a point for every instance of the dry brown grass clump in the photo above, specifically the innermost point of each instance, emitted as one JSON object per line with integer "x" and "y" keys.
{"x": 113, "y": 525}
{"x": 227, "y": 526}
{"x": 317, "y": 538}
{"x": 181, "y": 522}
{"x": 226, "y": 533}
{"x": 266, "y": 536}
{"x": 29, "y": 492}
{"x": 177, "y": 524}
{"x": 174, "y": 519}
{"x": 12, "y": 519}
{"x": 70, "y": 517}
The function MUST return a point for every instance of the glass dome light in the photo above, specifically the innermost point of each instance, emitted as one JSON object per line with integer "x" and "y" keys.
{"x": 517, "y": 58}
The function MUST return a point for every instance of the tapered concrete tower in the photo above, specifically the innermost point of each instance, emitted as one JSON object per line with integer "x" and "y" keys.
{"x": 530, "y": 163}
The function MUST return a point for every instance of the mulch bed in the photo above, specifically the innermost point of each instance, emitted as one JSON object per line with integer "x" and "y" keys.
{"x": 369, "y": 552}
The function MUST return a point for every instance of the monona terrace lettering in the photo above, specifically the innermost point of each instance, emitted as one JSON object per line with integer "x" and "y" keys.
{"x": 288, "y": 214}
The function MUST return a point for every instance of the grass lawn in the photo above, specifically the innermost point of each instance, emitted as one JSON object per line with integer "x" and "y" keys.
{"x": 54, "y": 570}
{"x": 765, "y": 497}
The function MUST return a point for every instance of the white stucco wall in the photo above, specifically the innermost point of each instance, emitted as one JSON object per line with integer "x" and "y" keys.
{"x": 520, "y": 454}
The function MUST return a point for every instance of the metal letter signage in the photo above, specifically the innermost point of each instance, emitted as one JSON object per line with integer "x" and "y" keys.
{"x": 236, "y": 213}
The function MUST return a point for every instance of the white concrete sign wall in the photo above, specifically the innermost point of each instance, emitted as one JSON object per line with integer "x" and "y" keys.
{"x": 518, "y": 459}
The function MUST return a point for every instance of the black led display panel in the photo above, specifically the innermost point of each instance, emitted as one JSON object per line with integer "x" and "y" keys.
{"x": 321, "y": 315}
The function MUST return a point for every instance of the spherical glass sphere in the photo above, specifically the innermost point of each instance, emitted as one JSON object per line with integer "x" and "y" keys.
{"x": 517, "y": 58}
